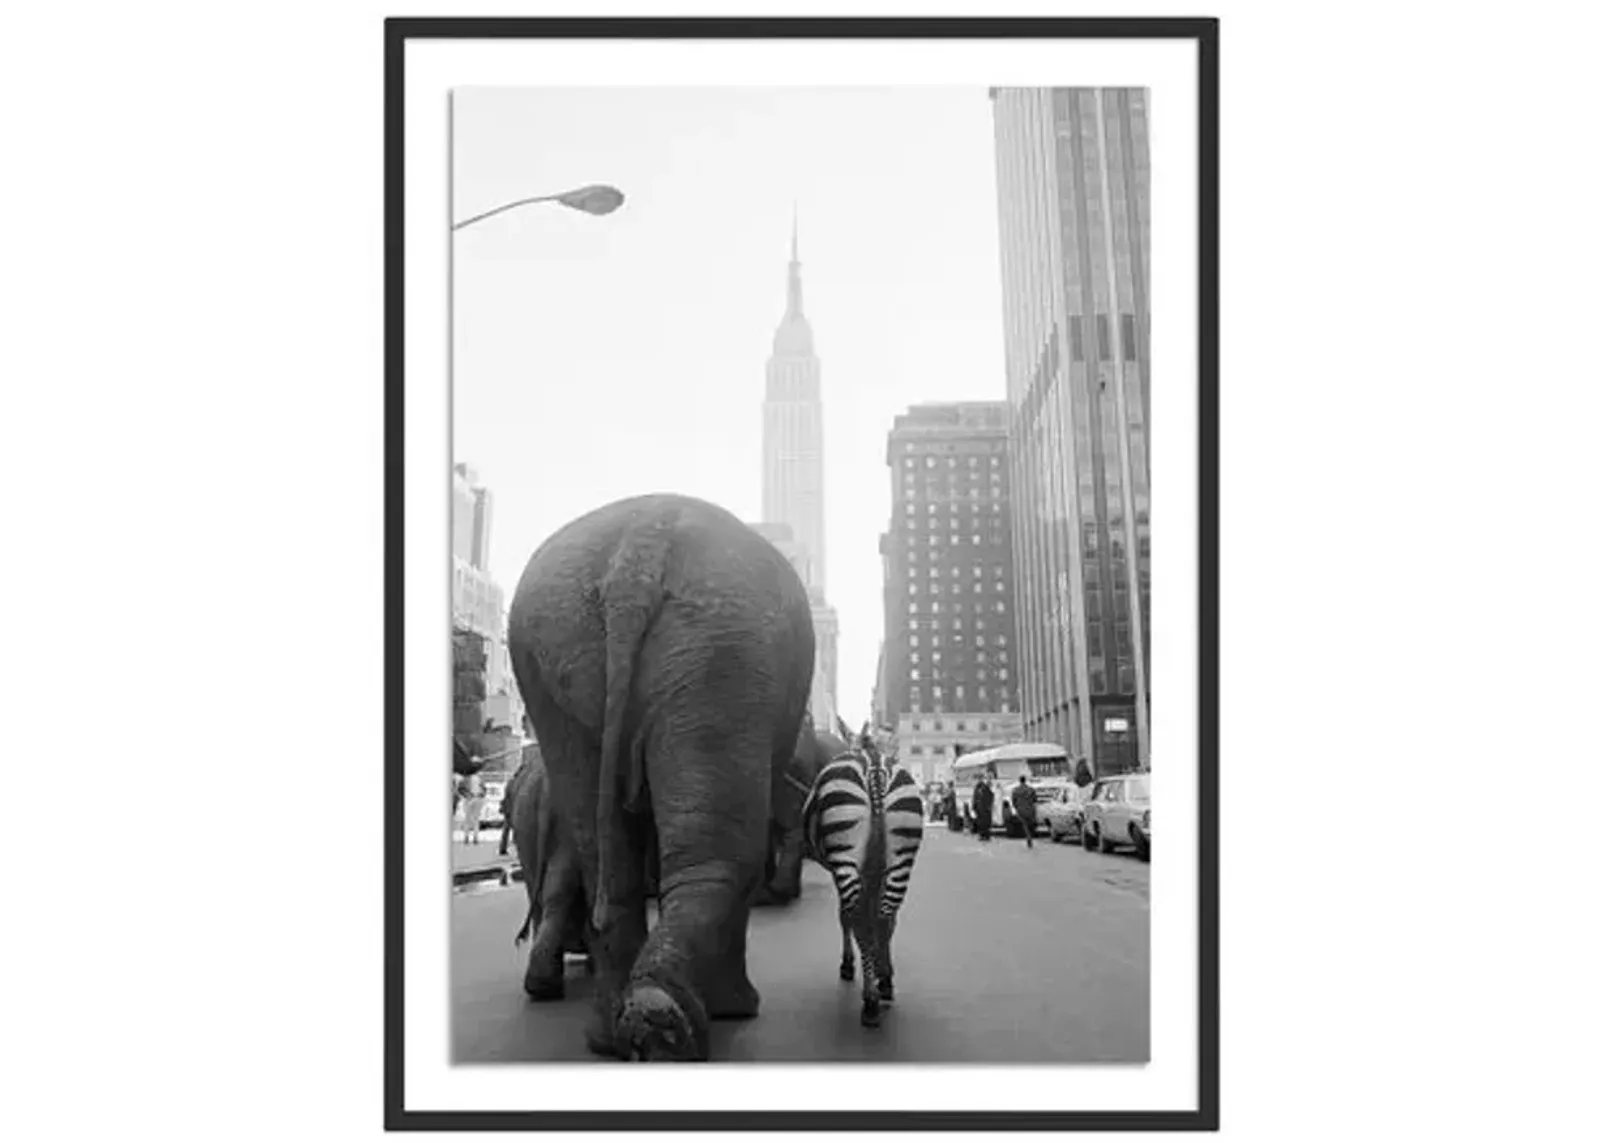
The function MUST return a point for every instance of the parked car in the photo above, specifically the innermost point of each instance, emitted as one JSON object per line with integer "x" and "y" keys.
{"x": 1118, "y": 813}
{"x": 1061, "y": 813}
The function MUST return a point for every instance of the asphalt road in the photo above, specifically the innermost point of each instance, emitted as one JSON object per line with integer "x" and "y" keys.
{"x": 1002, "y": 955}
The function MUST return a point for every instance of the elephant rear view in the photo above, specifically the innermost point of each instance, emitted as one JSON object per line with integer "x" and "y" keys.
{"x": 664, "y": 653}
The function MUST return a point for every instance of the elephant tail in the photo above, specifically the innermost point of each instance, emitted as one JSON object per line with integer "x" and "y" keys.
{"x": 631, "y": 593}
{"x": 527, "y": 927}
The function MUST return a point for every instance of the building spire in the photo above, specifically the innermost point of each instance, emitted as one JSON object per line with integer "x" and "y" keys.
{"x": 795, "y": 307}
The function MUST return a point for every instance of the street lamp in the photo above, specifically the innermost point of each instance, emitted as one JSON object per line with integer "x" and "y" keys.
{"x": 594, "y": 199}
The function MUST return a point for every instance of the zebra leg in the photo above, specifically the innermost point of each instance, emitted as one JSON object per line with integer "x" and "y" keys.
{"x": 886, "y": 963}
{"x": 871, "y": 998}
{"x": 847, "y": 956}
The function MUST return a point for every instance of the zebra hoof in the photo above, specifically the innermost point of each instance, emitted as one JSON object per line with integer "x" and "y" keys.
{"x": 886, "y": 991}
{"x": 847, "y": 971}
{"x": 871, "y": 1014}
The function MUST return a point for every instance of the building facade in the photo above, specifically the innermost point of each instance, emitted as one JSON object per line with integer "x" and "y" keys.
{"x": 477, "y": 602}
{"x": 930, "y": 745}
{"x": 949, "y": 635}
{"x": 824, "y": 625}
{"x": 1073, "y": 186}
{"x": 472, "y": 511}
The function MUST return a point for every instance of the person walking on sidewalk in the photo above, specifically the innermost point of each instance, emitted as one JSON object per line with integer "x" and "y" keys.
{"x": 472, "y": 810}
{"x": 983, "y": 809}
{"x": 1025, "y": 801}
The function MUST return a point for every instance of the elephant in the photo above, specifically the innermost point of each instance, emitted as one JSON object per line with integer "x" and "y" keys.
{"x": 552, "y": 879}
{"x": 550, "y": 870}
{"x": 815, "y": 750}
{"x": 664, "y": 653}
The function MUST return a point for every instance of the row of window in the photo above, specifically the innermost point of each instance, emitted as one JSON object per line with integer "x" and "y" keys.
{"x": 980, "y": 641}
{"x": 980, "y": 724}
{"x": 915, "y": 609}
{"x": 982, "y": 657}
{"x": 982, "y": 675}
{"x": 955, "y": 589}
{"x": 954, "y": 538}
{"x": 955, "y": 569}
{"x": 950, "y": 462}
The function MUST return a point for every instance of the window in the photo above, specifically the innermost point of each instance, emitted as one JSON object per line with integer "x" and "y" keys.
{"x": 916, "y": 726}
{"x": 1000, "y": 607}
{"x": 1102, "y": 336}
{"x": 916, "y": 750}
{"x": 938, "y": 726}
{"x": 914, "y": 640}
{"x": 915, "y": 673}
{"x": 1075, "y": 336}
{"x": 930, "y": 462}
{"x": 1129, "y": 341}
{"x": 961, "y": 726}
{"x": 912, "y": 589}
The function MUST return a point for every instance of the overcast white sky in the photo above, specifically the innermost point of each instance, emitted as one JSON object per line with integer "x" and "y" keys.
{"x": 597, "y": 358}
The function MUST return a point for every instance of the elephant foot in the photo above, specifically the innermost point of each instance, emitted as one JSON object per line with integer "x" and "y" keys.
{"x": 542, "y": 986}
{"x": 589, "y": 968}
{"x": 652, "y": 1026}
{"x": 738, "y": 1000}
{"x": 847, "y": 970}
{"x": 871, "y": 1013}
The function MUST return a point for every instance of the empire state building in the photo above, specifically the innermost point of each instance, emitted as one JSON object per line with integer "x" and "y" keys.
{"x": 791, "y": 438}
{"x": 791, "y": 477}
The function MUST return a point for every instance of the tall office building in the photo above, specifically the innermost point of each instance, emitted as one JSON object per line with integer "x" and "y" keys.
{"x": 472, "y": 511}
{"x": 791, "y": 437}
{"x": 477, "y": 602}
{"x": 791, "y": 478}
{"x": 1073, "y": 182}
{"x": 948, "y": 675}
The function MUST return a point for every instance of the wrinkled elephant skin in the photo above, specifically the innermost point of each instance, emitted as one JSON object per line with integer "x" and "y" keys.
{"x": 664, "y": 653}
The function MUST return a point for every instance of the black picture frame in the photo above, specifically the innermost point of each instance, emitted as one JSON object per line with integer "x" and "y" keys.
{"x": 397, "y": 32}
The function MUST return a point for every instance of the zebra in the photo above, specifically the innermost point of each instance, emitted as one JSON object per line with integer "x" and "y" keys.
{"x": 863, "y": 822}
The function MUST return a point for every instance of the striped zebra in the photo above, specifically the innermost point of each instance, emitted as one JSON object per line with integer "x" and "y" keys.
{"x": 863, "y": 822}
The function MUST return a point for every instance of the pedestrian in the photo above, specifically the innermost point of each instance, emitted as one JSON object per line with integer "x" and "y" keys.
{"x": 983, "y": 809}
{"x": 472, "y": 810}
{"x": 1025, "y": 801}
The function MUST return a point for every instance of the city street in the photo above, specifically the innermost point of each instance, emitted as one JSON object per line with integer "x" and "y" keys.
{"x": 1002, "y": 955}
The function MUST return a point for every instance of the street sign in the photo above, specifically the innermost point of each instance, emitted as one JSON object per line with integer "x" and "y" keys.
{"x": 1116, "y": 725}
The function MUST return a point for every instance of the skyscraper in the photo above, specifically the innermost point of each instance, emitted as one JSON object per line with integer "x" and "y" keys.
{"x": 791, "y": 438}
{"x": 948, "y": 665}
{"x": 1073, "y": 183}
{"x": 791, "y": 476}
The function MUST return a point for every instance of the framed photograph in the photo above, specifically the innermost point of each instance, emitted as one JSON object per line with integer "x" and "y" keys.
{"x": 779, "y": 414}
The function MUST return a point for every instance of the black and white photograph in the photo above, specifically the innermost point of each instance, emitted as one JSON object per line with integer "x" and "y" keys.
{"x": 802, "y": 543}
{"x": 943, "y": 573}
